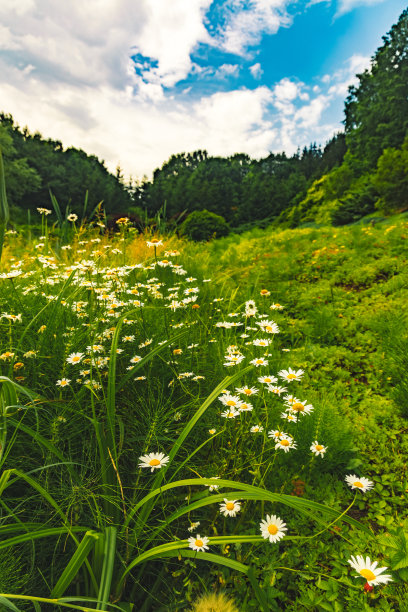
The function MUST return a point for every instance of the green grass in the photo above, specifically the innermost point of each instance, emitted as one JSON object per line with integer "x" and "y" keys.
{"x": 91, "y": 526}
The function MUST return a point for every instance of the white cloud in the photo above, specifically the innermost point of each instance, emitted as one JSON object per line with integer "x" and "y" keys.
{"x": 250, "y": 20}
{"x": 256, "y": 70}
{"x": 286, "y": 90}
{"x": 345, "y": 6}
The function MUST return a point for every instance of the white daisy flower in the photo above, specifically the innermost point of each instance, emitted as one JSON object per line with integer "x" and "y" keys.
{"x": 359, "y": 483}
{"x": 247, "y": 390}
{"x": 291, "y": 375}
{"x": 285, "y": 443}
{"x": 260, "y": 361}
{"x": 231, "y": 413}
{"x": 198, "y": 543}
{"x": 154, "y": 242}
{"x": 369, "y": 570}
{"x": 193, "y": 526}
{"x": 268, "y": 380}
{"x": 64, "y": 382}
{"x": 213, "y": 487}
{"x": 232, "y": 401}
{"x": 256, "y": 429}
{"x": 153, "y": 461}
{"x": 75, "y": 358}
{"x": 289, "y": 417}
{"x": 245, "y": 407}
{"x": 275, "y": 389}
{"x": 230, "y": 507}
{"x": 318, "y": 449}
{"x": 301, "y": 407}
{"x": 272, "y": 528}
{"x": 261, "y": 342}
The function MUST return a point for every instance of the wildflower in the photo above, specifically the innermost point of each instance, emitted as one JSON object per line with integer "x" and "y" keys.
{"x": 269, "y": 327}
{"x": 136, "y": 359}
{"x": 290, "y": 374}
{"x": 140, "y": 378}
{"x": 128, "y": 338}
{"x": 64, "y": 382}
{"x": 292, "y": 418}
{"x": 264, "y": 292}
{"x": 246, "y": 407}
{"x": 285, "y": 443}
{"x": 194, "y": 526}
{"x": 75, "y": 358}
{"x": 123, "y": 221}
{"x": 272, "y": 528}
{"x": 12, "y": 274}
{"x": 318, "y": 449}
{"x": 359, "y": 483}
{"x": 30, "y": 354}
{"x": 261, "y": 342}
{"x": 213, "y": 487}
{"x": 72, "y": 217}
{"x": 212, "y": 431}
{"x": 198, "y": 542}
{"x": 44, "y": 211}
{"x": 301, "y": 407}
{"x": 268, "y": 380}
{"x": 276, "y": 307}
{"x": 230, "y": 507}
{"x": 368, "y": 570}
{"x": 153, "y": 460}
{"x": 247, "y": 390}
{"x": 256, "y": 429}
{"x": 260, "y": 361}
{"x": 154, "y": 242}
{"x": 7, "y": 355}
{"x": 231, "y": 413}
{"x": 232, "y": 401}
{"x": 41, "y": 329}
{"x": 277, "y": 390}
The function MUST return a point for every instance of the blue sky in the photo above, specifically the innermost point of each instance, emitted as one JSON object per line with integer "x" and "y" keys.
{"x": 136, "y": 81}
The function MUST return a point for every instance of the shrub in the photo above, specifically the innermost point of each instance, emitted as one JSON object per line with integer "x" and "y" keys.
{"x": 203, "y": 225}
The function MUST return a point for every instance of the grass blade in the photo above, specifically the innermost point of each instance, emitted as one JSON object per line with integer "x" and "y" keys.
{"x": 75, "y": 563}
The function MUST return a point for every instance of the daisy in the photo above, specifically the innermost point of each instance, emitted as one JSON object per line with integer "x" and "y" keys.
{"x": 64, "y": 382}
{"x": 230, "y": 414}
{"x": 369, "y": 570}
{"x": 75, "y": 358}
{"x": 290, "y": 374}
{"x": 269, "y": 327}
{"x": 274, "y": 433}
{"x": 285, "y": 443}
{"x": 72, "y": 217}
{"x": 246, "y": 407}
{"x": 276, "y": 307}
{"x": 272, "y": 528}
{"x": 318, "y": 449}
{"x": 212, "y": 431}
{"x": 260, "y": 361}
{"x": 301, "y": 407}
{"x": 153, "y": 461}
{"x": 154, "y": 242}
{"x": 264, "y": 292}
{"x": 276, "y": 390}
{"x": 268, "y": 380}
{"x": 213, "y": 487}
{"x": 230, "y": 507}
{"x": 232, "y": 401}
{"x": 194, "y": 526}
{"x": 359, "y": 483}
{"x": 256, "y": 429}
{"x": 198, "y": 542}
{"x": 247, "y": 390}
{"x": 261, "y": 342}
{"x": 289, "y": 417}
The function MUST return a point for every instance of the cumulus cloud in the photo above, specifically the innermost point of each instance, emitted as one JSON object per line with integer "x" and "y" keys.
{"x": 256, "y": 70}
{"x": 345, "y": 6}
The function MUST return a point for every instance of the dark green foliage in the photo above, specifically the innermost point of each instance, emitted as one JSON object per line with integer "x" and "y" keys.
{"x": 377, "y": 108}
{"x": 359, "y": 202}
{"x": 391, "y": 179}
{"x": 203, "y": 225}
{"x": 35, "y": 166}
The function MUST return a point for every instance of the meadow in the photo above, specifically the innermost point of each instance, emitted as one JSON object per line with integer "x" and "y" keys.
{"x": 187, "y": 425}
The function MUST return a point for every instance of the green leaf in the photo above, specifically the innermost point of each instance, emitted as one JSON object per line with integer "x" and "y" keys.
{"x": 75, "y": 563}
{"x": 107, "y": 568}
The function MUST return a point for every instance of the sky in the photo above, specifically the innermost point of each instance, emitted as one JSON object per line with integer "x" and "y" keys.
{"x": 135, "y": 81}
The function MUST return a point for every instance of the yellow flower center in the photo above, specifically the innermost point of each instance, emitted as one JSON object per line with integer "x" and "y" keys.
{"x": 367, "y": 574}
{"x": 230, "y": 506}
{"x": 358, "y": 484}
{"x": 291, "y": 376}
{"x": 247, "y": 391}
{"x": 199, "y": 543}
{"x": 298, "y": 406}
{"x": 318, "y": 447}
{"x": 154, "y": 462}
{"x": 264, "y": 291}
{"x": 268, "y": 328}
{"x": 285, "y": 442}
{"x": 75, "y": 359}
{"x": 272, "y": 529}
{"x": 268, "y": 380}
{"x": 154, "y": 241}
{"x": 259, "y": 361}
{"x": 231, "y": 403}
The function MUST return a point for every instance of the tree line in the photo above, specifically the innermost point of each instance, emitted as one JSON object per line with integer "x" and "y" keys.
{"x": 360, "y": 170}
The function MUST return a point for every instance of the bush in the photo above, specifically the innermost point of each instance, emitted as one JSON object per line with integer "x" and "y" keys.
{"x": 203, "y": 225}
{"x": 357, "y": 203}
